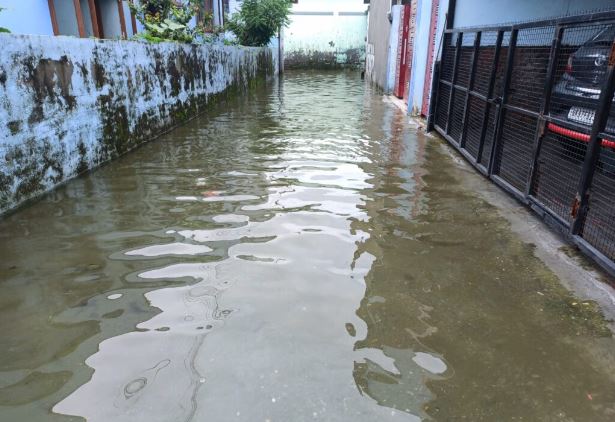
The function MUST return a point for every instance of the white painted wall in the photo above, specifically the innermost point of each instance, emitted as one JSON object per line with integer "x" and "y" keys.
{"x": 26, "y": 17}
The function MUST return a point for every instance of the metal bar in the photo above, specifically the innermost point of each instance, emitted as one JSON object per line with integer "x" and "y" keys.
{"x": 454, "y": 80}
{"x": 459, "y": 87}
{"x": 523, "y": 111}
{"x": 605, "y": 262}
{"x": 477, "y": 95}
{"x": 463, "y": 152}
{"x": 544, "y": 106}
{"x": 466, "y": 106}
{"x": 54, "y": 19}
{"x": 94, "y": 18}
{"x": 493, "y": 28}
{"x": 79, "y": 15}
{"x": 551, "y": 69}
{"x": 509, "y": 188}
{"x": 563, "y": 225}
{"x": 490, "y": 88}
{"x": 504, "y": 99}
{"x": 580, "y": 206}
{"x": 433, "y": 103}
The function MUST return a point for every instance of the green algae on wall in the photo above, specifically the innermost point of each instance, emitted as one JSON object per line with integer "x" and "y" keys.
{"x": 68, "y": 105}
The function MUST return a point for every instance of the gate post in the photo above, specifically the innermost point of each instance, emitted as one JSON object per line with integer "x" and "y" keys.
{"x": 500, "y": 119}
{"x": 581, "y": 202}
{"x": 544, "y": 106}
{"x": 433, "y": 99}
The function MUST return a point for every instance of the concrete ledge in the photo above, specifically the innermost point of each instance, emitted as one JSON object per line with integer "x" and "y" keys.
{"x": 585, "y": 279}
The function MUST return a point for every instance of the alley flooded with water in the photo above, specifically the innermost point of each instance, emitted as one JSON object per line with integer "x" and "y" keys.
{"x": 297, "y": 254}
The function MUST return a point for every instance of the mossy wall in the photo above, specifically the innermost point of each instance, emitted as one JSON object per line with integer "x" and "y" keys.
{"x": 68, "y": 105}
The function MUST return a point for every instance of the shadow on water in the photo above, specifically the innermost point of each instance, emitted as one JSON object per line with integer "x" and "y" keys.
{"x": 299, "y": 253}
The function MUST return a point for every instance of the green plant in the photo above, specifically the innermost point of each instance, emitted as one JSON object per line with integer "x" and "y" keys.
{"x": 166, "y": 20}
{"x": 1, "y": 28}
{"x": 259, "y": 20}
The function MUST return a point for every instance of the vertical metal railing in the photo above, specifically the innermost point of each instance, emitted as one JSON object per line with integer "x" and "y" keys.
{"x": 580, "y": 207}
{"x": 488, "y": 130}
{"x": 544, "y": 106}
{"x": 466, "y": 108}
{"x": 451, "y": 97}
{"x": 502, "y": 103}
{"x": 489, "y": 97}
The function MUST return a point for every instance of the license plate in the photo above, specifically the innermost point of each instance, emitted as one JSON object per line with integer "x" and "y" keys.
{"x": 581, "y": 115}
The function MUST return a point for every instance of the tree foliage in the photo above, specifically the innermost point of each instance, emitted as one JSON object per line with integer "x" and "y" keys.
{"x": 167, "y": 20}
{"x": 259, "y": 20}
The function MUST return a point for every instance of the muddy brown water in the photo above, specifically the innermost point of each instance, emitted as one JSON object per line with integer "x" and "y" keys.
{"x": 297, "y": 254}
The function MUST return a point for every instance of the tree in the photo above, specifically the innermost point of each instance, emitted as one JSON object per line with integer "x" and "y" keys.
{"x": 259, "y": 20}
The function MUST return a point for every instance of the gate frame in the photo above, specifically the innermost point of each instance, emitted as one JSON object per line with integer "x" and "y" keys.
{"x": 571, "y": 231}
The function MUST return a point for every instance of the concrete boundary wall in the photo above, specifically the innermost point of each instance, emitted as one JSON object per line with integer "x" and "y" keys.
{"x": 68, "y": 105}
{"x": 339, "y": 41}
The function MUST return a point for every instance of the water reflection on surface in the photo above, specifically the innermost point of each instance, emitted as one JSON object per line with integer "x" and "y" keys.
{"x": 297, "y": 254}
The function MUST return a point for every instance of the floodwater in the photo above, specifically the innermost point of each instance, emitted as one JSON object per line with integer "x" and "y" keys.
{"x": 297, "y": 254}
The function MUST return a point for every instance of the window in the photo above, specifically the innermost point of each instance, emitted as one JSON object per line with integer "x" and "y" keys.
{"x": 90, "y": 18}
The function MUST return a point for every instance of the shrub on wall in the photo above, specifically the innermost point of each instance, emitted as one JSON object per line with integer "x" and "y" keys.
{"x": 1, "y": 28}
{"x": 167, "y": 20}
{"x": 259, "y": 20}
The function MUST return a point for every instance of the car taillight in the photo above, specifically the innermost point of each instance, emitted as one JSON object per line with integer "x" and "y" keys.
{"x": 569, "y": 66}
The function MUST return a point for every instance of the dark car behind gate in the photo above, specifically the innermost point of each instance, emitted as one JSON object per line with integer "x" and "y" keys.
{"x": 530, "y": 106}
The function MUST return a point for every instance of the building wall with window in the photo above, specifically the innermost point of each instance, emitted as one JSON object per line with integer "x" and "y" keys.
{"x": 26, "y": 17}
{"x": 35, "y": 17}
{"x": 489, "y": 12}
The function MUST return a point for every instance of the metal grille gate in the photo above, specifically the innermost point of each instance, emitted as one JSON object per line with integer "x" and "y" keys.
{"x": 529, "y": 105}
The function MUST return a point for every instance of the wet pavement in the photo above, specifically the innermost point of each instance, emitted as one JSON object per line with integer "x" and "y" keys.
{"x": 297, "y": 254}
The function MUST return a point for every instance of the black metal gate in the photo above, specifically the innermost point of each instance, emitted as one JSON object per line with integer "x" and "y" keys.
{"x": 529, "y": 105}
